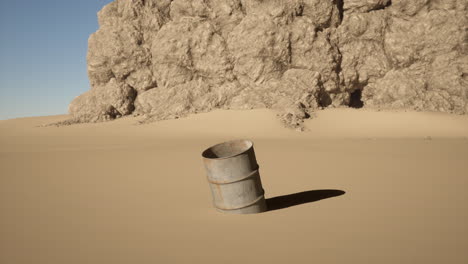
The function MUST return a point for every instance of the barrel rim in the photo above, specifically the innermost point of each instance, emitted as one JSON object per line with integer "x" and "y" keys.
{"x": 250, "y": 175}
{"x": 259, "y": 199}
{"x": 205, "y": 152}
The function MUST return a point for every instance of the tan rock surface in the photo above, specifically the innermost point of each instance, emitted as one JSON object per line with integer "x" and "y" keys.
{"x": 205, "y": 54}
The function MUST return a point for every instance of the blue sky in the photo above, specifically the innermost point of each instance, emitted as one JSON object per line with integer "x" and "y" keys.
{"x": 43, "y": 48}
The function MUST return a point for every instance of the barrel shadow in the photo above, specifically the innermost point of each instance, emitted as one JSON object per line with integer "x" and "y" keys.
{"x": 284, "y": 201}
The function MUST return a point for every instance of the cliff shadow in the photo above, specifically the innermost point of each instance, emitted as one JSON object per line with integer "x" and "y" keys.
{"x": 285, "y": 201}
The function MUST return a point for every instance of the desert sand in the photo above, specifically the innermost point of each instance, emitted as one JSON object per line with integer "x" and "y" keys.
{"x": 117, "y": 192}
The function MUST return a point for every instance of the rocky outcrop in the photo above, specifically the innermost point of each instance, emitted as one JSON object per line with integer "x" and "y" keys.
{"x": 166, "y": 59}
{"x": 407, "y": 54}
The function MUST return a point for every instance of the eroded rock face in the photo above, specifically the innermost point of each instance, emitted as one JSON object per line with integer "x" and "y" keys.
{"x": 166, "y": 59}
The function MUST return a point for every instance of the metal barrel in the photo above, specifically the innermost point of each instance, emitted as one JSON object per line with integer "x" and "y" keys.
{"x": 234, "y": 179}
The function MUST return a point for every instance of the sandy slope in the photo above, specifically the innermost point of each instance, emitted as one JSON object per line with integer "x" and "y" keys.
{"x": 122, "y": 193}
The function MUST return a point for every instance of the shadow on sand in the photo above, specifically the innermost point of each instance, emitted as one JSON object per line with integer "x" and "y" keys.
{"x": 284, "y": 201}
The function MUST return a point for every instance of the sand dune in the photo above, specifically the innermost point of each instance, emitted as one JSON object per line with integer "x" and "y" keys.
{"x": 117, "y": 192}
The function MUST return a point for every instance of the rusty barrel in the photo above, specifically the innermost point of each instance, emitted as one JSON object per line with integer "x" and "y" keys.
{"x": 234, "y": 179}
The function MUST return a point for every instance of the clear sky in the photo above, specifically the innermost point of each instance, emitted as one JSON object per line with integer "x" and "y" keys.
{"x": 43, "y": 46}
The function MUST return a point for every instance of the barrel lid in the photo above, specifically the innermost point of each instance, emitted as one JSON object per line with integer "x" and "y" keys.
{"x": 227, "y": 149}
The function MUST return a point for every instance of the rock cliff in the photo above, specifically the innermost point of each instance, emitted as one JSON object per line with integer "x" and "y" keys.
{"x": 166, "y": 59}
